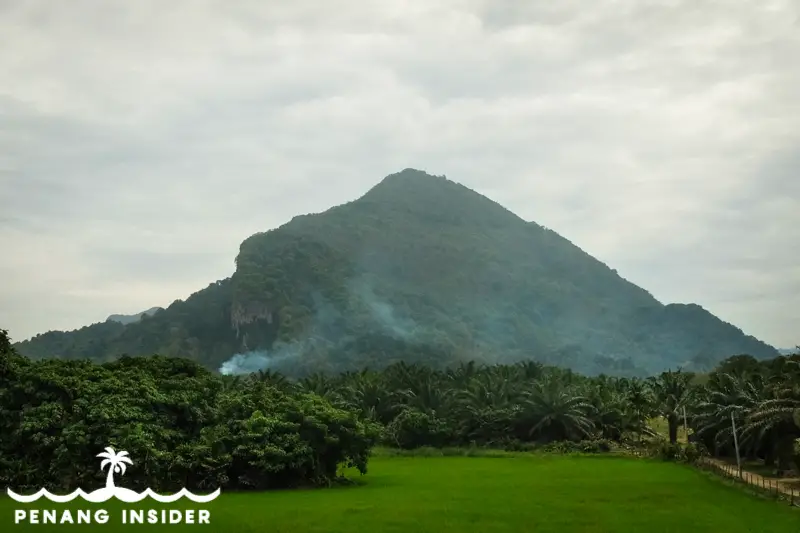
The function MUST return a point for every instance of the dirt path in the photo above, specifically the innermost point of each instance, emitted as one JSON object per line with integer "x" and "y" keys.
{"x": 754, "y": 479}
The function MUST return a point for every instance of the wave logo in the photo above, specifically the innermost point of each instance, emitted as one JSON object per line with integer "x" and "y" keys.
{"x": 116, "y": 463}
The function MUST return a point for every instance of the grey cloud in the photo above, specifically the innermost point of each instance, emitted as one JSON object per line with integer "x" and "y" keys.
{"x": 119, "y": 265}
{"x": 140, "y": 142}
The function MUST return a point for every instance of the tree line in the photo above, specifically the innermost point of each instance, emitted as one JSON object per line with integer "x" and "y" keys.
{"x": 529, "y": 404}
{"x": 184, "y": 425}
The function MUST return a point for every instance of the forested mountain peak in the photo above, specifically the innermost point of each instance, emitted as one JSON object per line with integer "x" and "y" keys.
{"x": 437, "y": 199}
{"x": 420, "y": 268}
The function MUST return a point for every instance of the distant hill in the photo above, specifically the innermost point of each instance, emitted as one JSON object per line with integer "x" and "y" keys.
{"x": 128, "y": 319}
{"x": 418, "y": 269}
{"x": 789, "y": 351}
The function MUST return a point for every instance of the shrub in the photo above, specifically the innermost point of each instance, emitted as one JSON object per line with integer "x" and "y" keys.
{"x": 516, "y": 445}
{"x": 664, "y": 450}
{"x": 692, "y": 452}
{"x": 596, "y": 446}
{"x": 414, "y": 429}
{"x": 687, "y": 453}
{"x": 584, "y": 446}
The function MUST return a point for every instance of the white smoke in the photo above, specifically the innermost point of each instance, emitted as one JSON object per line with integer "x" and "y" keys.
{"x": 255, "y": 360}
{"x": 325, "y": 325}
{"x": 383, "y": 313}
{"x": 245, "y": 363}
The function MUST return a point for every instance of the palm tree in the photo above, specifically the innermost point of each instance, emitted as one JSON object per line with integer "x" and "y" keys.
{"x": 463, "y": 373}
{"x": 640, "y": 403}
{"x": 773, "y": 422}
{"x": 725, "y": 395}
{"x": 488, "y": 390}
{"x": 557, "y": 412}
{"x": 272, "y": 378}
{"x": 611, "y": 414}
{"x": 116, "y": 464}
{"x": 671, "y": 390}
{"x": 230, "y": 383}
{"x": 531, "y": 369}
{"x": 427, "y": 396}
{"x": 366, "y": 393}
{"x": 321, "y": 385}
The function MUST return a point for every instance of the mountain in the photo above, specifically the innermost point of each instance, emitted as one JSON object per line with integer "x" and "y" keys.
{"x": 789, "y": 351}
{"x": 128, "y": 319}
{"x": 418, "y": 269}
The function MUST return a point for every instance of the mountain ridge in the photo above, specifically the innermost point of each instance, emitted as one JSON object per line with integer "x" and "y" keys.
{"x": 127, "y": 319}
{"x": 418, "y": 267}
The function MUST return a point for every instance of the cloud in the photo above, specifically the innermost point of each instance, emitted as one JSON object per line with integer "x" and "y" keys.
{"x": 140, "y": 142}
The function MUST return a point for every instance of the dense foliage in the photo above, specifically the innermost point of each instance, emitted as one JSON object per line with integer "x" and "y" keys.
{"x": 510, "y": 406}
{"x": 179, "y": 422}
{"x": 528, "y": 405}
{"x": 764, "y": 401}
{"x": 418, "y": 265}
{"x": 189, "y": 427}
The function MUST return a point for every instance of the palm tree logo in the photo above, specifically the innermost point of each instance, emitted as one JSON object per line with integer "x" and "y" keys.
{"x": 116, "y": 464}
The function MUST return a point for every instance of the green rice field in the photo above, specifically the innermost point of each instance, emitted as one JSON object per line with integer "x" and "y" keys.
{"x": 531, "y": 494}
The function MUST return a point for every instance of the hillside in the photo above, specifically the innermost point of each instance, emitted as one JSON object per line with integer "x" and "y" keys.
{"x": 128, "y": 319}
{"x": 418, "y": 269}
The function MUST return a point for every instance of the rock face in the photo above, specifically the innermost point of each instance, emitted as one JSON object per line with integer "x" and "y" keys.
{"x": 419, "y": 269}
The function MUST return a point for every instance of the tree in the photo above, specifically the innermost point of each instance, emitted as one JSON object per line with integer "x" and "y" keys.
{"x": 671, "y": 392}
{"x": 556, "y": 412}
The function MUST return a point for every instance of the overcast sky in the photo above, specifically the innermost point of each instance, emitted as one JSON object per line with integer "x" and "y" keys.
{"x": 141, "y": 141}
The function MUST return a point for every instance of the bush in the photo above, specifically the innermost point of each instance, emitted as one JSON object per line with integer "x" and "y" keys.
{"x": 584, "y": 446}
{"x": 664, "y": 450}
{"x": 597, "y": 446}
{"x": 414, "y": 429}
{"x": 281, "y": 440}
{"x": 692, "y": 452}
{"x": 686, "y": 453}
{"x": 516, "y": 445}
{"x": 429, "y": 451}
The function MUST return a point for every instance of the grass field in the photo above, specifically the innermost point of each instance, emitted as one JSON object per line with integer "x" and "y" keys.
{"x": 531, "y": 494}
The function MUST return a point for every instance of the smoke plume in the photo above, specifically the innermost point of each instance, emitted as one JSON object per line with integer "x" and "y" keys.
{"x": 329, "y": 323}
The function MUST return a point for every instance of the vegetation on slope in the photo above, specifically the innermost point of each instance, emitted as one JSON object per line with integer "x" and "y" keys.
{"x": 418, "y": 269}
